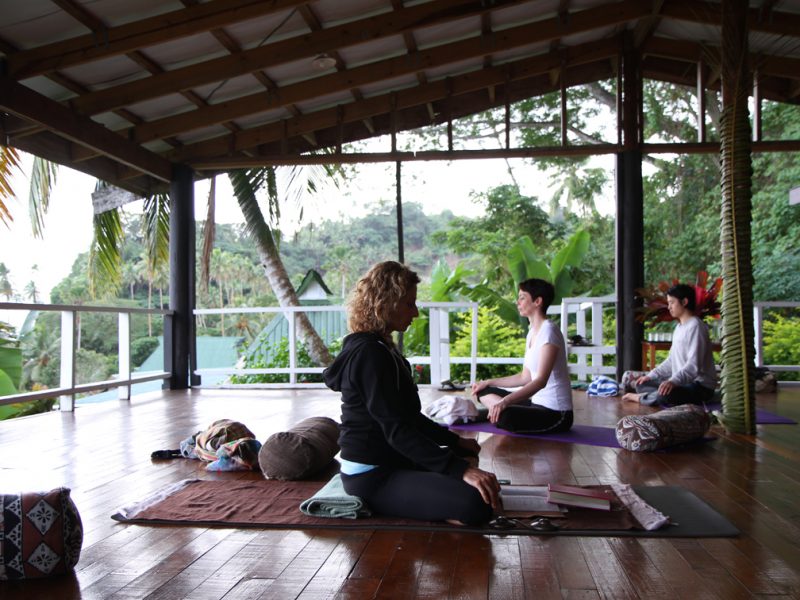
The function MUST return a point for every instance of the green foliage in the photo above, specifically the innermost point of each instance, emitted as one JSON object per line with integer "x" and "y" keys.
{"x": 141, "y": 348}
{"x": 276, "y": 356}
{"x": 484, "y": 241}
{"x": 782, "y": 343}
{"x": 495, "y": 338}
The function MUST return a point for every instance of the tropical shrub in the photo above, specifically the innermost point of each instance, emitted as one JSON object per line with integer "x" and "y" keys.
{"x": 496, "y": 337}
{"x": 782, "y": 343}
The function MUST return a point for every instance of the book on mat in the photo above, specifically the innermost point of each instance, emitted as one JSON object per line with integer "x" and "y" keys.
{"x": 572, "y": 495}
{"x": 530, "y": 499}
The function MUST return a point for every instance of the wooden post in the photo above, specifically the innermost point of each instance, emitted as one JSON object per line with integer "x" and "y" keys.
{"x": 179, "y": 331}
{"x": 630, "y": 216}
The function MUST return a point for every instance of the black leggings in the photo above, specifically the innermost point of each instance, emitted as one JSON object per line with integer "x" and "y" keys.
{"x": 422, "y": 495}
{"x": 529, "y": 418}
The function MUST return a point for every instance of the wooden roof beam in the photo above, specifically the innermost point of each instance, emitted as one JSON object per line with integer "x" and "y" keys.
{"x": 523, "y": 35}
{"x": 140, "y": 34}
{"x": 27, "y": 104}
{"x": 696, "y": 11}
{"x": 419, "y": 96}
{"x": 298, "y": 47}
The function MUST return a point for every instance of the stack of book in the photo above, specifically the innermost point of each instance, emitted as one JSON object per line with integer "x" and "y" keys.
{"x": 571, "y": 495}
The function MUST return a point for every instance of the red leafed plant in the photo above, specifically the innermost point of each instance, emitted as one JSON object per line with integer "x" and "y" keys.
{"x": 655, "y": 308}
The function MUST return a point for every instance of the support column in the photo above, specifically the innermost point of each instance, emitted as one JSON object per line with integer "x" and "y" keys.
{"x": 179, "y": 332}
{"x": 630, "y": 217}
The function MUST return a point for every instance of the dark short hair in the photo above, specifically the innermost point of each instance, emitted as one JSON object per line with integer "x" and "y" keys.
{"x": 683, "y": 291}
{"x": 539, "y": 288}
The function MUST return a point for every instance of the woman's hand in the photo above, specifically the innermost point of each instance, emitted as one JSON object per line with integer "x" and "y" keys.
{"x": 666, "y": 387}
{"x": 642, "y": 379}
{"x": 478, "y": 386}
{"x": 486, "y": 483}
{"x": 496, "y": 409}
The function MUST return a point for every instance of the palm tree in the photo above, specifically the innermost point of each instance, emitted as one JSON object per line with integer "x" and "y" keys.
{"x": 738, "y": 349}
{"x": 105, "y": 254}
{"x": 5, "y": 284}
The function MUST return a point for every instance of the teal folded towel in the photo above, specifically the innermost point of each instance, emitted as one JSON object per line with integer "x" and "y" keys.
{"x": 334, "y": 503}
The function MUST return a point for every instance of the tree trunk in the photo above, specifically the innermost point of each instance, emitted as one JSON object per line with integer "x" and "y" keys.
{"x": 738, "y": 349}
{"x": 285, "y": 293}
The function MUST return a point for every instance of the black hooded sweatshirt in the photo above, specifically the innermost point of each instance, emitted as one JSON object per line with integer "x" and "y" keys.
{"x": 382, "y": 422}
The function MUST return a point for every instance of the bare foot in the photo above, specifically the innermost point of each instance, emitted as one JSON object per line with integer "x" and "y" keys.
{"x": 630, "y": 397}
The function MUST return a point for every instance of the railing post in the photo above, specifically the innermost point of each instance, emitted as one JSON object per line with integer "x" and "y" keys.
{"x": 580, "y": 322}
{"x": 473, "y": 354}
{"x": 444, "y": 345}
{"x": 758, "y": 323}
{"x": 597, "y": 332}
{"x": 433, "y": 341}
{"x": 69, "y": 340}
{"x": 124, "y": 370}
{"x": 292, "y": 347}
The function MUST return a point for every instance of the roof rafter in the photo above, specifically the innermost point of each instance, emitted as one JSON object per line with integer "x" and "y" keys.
{"x": 140, "y": 34}
{"x": 248, "y": 61}
{"x": 540, "y": 31}
{"x": 402, "y": 99}
{"x": 27, "y": 104}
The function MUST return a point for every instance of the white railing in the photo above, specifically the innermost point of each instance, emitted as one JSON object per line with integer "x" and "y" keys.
{"x": 68, "y": 387}
{"x": 440, "y": 359}
{"x": 587, "y": 312}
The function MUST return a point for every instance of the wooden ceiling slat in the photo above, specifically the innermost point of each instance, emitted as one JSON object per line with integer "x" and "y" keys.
{"x": 298, "y": 47}
{"x": 778, "y": 23}
{"x": 27, "y": 104}
{"x": 377, "y": 105}
{"x": 777, "y": 66}
{"x": 540, "y": 31}
{"x": 140, "y": 34}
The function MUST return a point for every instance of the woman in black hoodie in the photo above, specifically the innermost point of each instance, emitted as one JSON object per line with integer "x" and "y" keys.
{"x": 395, "y": 458}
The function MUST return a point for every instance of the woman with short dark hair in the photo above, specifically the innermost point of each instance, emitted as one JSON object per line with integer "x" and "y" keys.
{"x": 542, "y": 402}
{"x": 688, "y": 375}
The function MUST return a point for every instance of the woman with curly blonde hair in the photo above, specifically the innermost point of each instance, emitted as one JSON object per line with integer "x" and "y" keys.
{"x": 392, "y": 456}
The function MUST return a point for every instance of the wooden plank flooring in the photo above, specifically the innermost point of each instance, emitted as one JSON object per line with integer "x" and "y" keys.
{"x": 102, "y": 452}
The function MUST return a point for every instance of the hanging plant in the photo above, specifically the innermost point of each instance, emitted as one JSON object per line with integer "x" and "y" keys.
{"x": 654, "y": 309}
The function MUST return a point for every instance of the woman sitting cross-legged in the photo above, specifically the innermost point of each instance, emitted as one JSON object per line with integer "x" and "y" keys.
{"x": 397, "y": 460}
{"x": 543, "y": 401}
{"x": 688, "y": 375}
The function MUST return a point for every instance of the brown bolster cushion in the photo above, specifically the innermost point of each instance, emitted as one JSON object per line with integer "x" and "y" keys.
{"x": 306, "y": 448}
{"x": 669, "y": 427}
{"x": 41, "y": 534}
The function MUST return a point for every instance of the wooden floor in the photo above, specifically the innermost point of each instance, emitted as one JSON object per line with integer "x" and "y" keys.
{"x": 103, "y": 451}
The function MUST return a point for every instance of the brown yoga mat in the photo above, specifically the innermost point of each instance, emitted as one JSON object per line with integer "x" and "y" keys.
{"x": 274, "y": 504}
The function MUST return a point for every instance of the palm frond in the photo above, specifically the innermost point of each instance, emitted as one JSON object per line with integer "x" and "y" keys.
{"x": 43, "y": 178}
{"x": 9, "y": 161}
{"x": 209, "y": 232}
{"x": 105, "y": 255}
{"x": 155, "y": 224}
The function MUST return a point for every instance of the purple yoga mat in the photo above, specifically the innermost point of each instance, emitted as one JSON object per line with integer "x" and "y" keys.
{"x": 763, "y": 417}
{"x": 579, "y": 434}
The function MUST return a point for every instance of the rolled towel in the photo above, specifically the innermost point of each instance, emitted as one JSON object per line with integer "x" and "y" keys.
{"x": 334, "y": 503}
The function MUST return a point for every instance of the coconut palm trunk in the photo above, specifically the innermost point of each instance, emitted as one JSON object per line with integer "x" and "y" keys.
{"x": 738, "y": 350}
{"x": 244, "y": 186}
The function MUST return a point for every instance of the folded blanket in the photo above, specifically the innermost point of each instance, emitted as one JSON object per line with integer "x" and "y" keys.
{"x": 333, "y": 502}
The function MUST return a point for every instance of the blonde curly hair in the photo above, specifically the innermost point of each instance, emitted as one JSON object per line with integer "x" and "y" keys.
{"x": 377, "y": 295}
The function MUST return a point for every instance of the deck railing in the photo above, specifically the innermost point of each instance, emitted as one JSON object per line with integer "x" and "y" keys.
{"x": 68, "y": 387}
{"x": 583, "y": 315}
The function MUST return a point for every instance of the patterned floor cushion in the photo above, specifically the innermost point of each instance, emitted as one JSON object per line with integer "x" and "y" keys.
{"x": 669, "y": 427}
{"x": 41, "y": 534}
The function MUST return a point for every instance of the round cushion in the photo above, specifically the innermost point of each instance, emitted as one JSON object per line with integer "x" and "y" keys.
{"x": 669, "y": 427}
{"x": 302, "y": 451}
{"x": 41, "y": 534}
